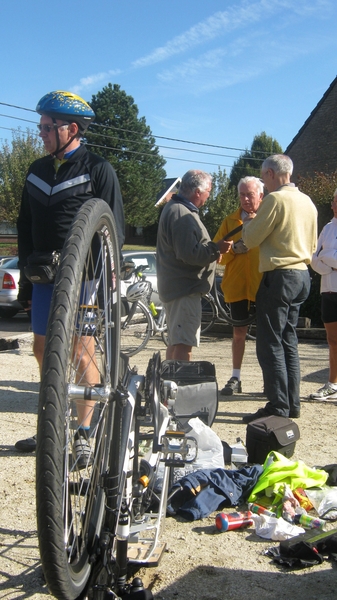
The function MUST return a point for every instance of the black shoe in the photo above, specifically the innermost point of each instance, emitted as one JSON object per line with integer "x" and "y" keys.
{"x": 233, "y": 386}
{"x": 258, "y": 415}
{"x": 28, "y": 445}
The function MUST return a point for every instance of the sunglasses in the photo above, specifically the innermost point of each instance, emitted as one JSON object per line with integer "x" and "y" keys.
{"x": 49, "y": 128}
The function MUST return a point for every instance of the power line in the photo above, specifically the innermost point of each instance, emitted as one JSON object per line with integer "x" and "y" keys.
{"x": 19, "y": 107}
{"x": 173, "y": 147}
{"x": 18, "y": 118}
{"x": 152, "y": 134}
{"x": 148, "y": 154}
{"x": 127, "y": 151}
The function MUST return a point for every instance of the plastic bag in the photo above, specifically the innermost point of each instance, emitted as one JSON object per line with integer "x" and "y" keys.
{"x": 273, "y": 528}
{"x": 324, "y": 500}
{"x": 210, "y": 451}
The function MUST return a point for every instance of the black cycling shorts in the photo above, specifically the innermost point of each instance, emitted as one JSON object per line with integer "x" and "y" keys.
{"x": 329, "y": 307}
{"x": 239, "y": 310}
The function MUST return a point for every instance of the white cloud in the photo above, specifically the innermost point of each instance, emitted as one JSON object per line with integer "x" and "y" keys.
{"x": 236, "y": 17}
{"x": 92, "y": 80}
{"x": 243, "y": 60}
{"x": 250, "y": 20}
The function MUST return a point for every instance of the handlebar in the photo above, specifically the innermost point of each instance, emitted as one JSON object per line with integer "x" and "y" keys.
{"x": 128, "y": 268}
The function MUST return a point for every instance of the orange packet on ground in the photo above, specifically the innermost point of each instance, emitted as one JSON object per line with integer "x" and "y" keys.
{"x": 303, "y": 499}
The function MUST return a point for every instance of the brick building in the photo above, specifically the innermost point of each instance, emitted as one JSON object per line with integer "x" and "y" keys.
{"x": 314, "y": 148}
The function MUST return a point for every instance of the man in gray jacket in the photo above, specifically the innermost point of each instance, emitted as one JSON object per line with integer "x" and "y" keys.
{"x": 186, "y": 259}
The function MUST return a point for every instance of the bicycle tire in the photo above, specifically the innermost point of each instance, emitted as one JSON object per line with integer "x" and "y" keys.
{"x": 164, "y": 337}
{"x": 136, "y": 330}
{"x": 208, "y": 314}
{"x": 71, "y": 500}
{"x": 224, "y": 310}
{"x": 164, "y": 334}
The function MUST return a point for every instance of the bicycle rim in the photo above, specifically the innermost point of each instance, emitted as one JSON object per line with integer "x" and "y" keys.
{"x": 83, "y": 329}
{"x": 208, "y": 314}
{"x": 224, "y": 311}
{"x": 136, "y": 331}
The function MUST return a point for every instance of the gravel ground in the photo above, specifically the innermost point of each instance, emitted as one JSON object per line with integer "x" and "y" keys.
{"x": 199, "y": 562}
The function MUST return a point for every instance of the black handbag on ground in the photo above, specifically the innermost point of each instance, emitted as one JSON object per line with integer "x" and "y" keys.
{"x": 271, "y": 433}
{"x": 42, "y": 266}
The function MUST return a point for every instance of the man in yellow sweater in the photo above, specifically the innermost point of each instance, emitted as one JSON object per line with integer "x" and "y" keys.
{"x": 285, "y": 229}
{"x": 241, "y": 277}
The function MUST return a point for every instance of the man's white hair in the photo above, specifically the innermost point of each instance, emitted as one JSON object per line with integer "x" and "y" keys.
{"x": 279, "y": 163}
{"x": 250, "y": 179}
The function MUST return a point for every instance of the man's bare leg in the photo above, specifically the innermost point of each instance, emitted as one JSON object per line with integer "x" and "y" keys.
{"x": 238, "y": 346}
{"x": 179, "y": 352}
{"x": 87, "y": 375}
{"x": 87, "y": 371}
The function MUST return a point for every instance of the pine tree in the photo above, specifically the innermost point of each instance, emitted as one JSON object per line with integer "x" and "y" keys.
{"x": 124, "y": 139}
{"x": 249, "y": 163}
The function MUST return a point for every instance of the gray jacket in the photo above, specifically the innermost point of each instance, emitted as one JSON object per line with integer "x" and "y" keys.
{"x": 185, "y": 253}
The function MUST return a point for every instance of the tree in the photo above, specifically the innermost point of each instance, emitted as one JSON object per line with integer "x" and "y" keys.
{"x": 14, "y": 163}
{"x": 126, "y": 142}
{"x": 320, "y": 188}
{"x": 249, "y": 163}
{"x": 222, "y": 201}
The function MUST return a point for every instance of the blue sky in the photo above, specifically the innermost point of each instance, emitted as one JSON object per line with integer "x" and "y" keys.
{"x": 212, "y": 72}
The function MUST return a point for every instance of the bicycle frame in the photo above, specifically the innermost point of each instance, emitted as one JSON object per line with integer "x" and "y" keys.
{"x": 129, "y": 505}
{"x": 159, "y": 322}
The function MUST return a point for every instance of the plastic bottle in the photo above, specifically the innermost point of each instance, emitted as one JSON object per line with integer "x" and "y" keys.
{"x": 309, "y": 521}
{"x": 257, "y": 509}
{"x": 227, "y": 522}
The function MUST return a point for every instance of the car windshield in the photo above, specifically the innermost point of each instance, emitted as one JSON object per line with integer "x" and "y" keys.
{"x": 146, "y": 261}
{"x": 10, "y": 264}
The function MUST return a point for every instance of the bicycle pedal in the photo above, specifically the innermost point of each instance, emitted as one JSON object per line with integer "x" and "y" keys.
{"x": 176, "y": 442}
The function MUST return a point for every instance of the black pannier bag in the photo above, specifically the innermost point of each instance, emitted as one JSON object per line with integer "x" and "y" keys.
{"x": 271, "y": 433}
{"x": 197, "y": 393}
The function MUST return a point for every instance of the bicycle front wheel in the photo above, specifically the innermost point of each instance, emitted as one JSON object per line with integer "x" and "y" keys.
{"x": 136, "y": 330}
{"x": 224, "y": 312}
{"x": 76, "y": 408}
{"x": 208, "y": 313}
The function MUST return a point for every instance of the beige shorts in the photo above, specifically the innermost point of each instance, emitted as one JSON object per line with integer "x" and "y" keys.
{"x": 183, "y": 317}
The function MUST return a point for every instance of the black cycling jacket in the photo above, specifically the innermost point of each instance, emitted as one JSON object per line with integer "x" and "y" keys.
{"x": 50, "y": 200}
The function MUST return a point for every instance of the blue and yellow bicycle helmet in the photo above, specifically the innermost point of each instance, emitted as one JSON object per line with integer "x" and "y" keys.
{"x": 66, "y": 106}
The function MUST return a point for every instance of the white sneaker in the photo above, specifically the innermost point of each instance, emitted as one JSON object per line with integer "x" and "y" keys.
{"x": 324, "y": 393}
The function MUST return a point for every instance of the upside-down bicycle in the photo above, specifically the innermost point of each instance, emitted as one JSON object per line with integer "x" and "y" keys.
{"x": 97, "y": 517}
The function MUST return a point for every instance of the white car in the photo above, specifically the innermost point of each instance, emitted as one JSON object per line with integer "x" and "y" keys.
{"x": 9, "y": 279}
{"x": 145, "y": 258}
{"x": 9, "y": 287}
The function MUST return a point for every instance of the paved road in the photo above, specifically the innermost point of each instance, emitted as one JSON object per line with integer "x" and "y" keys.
{"x": 12, "y": 327}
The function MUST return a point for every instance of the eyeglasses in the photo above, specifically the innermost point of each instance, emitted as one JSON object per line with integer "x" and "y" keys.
{"x": 49, "y": 128}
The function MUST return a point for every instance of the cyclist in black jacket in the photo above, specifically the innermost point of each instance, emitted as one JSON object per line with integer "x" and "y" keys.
{"x": 56, "y": 187}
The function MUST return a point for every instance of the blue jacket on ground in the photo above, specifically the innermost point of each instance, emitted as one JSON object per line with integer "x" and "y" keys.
{"x": 202, "y": 492}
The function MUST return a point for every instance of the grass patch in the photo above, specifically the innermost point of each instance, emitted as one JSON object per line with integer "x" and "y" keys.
{"x": 140, "y": 248}
{"x": 8, "y": 249}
